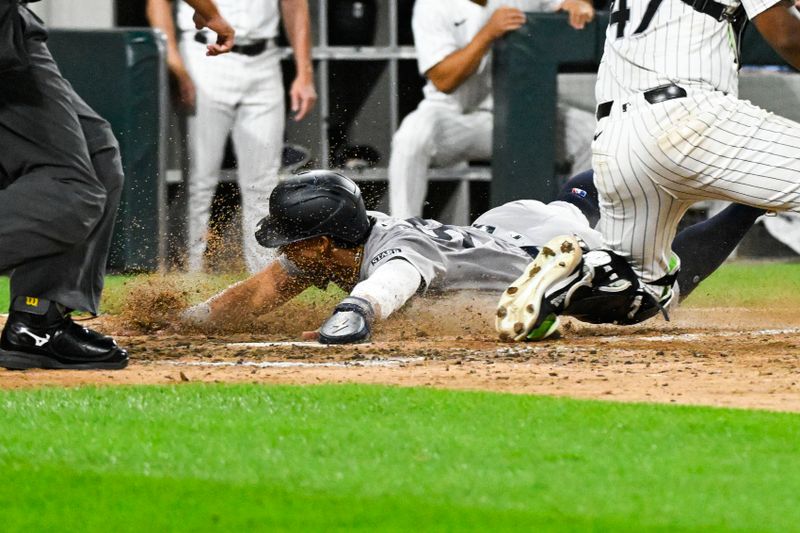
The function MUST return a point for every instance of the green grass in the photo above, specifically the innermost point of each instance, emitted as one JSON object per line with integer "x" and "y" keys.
{"x": 750, "y": 285}
{"x": 239, "y": 458}
{"x": 198, "y": 287}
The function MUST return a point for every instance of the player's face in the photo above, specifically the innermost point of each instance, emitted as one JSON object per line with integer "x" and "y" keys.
{"x": 320, "y": 255}
{"x": 308, "y": 254}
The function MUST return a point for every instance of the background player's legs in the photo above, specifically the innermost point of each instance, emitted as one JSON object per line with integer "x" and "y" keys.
{"x": 413, "y": 146}
{"x": 432, "y": 135}
{"x": 465, "y": 137}
{"x": 54, "y": 202}
{"x": 704, "y": 246}
{"x": 258, "y": 141}
{"x": 208, "y": 133}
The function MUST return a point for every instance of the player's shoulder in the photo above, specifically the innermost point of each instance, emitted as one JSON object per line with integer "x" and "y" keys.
{"x": 386, "y": 228}
{"x": 383, "y": 225}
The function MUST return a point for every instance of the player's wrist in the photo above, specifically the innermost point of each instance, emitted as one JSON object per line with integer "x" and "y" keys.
{"x": 305, "y": 72}
{"x": 351, "y": 321}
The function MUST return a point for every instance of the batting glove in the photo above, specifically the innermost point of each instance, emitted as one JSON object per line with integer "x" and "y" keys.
{"x": 350, "y": 322}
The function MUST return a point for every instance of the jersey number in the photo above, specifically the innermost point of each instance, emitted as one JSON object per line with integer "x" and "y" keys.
{"x": 622, "y": 15}
{"x": 444, "y": 233}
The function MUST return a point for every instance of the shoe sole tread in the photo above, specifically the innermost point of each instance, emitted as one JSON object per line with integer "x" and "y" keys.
{"x": 519, "y": 307}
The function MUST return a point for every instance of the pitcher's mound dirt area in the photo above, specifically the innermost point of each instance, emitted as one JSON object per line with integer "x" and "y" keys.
{"x": 724, "y": 356}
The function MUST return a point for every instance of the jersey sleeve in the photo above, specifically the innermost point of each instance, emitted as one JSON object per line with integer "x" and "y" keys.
{"x": 433, "y": 35}
{"x": 756, "y": 7}
{"x": 407, "y": 244}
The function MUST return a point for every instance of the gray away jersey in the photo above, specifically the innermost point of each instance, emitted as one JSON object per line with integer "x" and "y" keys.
{"x": 485, "y": 256}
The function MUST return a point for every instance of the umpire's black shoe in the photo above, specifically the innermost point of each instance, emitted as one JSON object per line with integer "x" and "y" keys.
{"x": 38, "y": 334}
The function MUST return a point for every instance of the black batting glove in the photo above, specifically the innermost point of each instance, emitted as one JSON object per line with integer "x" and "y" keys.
{"x": 350, "y": 322}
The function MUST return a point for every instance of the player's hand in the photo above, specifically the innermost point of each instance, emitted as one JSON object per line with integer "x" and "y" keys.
{"x": 303, "y": 96}
{"x": 580, "y": 12}
{"x": 504, "y": 20}
{"x": 220, "y": 26}
{"x": 351, "y": 321}
{"x": 310, "y": 336}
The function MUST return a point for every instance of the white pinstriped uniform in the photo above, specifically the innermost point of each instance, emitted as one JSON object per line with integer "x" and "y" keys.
{"x": 450, "y": 128}
{"x": 653, "y": 161}
{"x": 241, "y": 96}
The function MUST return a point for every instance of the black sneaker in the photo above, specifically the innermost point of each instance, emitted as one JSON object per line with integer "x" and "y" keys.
{"x": 38, "y": 334}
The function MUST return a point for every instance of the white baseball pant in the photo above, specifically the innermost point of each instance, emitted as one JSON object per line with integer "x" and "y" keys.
{"x": 439, "y": 135}
{"x": 434, "y": 134}
{"x": 653, "y": 161}
{"x": 241, "y": 96}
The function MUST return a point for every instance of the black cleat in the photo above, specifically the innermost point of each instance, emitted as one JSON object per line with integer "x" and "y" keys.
{"x": 39, "y": 335}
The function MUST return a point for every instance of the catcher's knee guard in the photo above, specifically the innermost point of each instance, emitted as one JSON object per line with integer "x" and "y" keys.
{"x": 611, "y": 293}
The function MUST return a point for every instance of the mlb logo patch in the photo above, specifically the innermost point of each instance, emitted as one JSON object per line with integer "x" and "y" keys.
{"x": 579, "y": 192}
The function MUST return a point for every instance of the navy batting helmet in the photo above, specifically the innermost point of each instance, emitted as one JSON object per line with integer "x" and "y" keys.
{"x": 312, "y": 204}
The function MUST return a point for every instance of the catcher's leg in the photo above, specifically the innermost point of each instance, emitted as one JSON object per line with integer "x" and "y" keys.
{"x": 597, "y": 286}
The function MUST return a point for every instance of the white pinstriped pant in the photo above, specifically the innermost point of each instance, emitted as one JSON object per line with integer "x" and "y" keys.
{"x": 440, "y": 135}
{"x": 652, "y": 162}
{"x": 241, "y": 96}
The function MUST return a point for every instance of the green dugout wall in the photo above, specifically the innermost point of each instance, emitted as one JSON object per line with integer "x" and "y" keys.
{"x": 120, "y": 74}
{"x": 526, "y": 63}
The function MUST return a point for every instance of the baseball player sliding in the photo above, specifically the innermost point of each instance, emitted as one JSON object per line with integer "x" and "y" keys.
{"x": 323, "y": 232}
{"x": 670, "y": 132}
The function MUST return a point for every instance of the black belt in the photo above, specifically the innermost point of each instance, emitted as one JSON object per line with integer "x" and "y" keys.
{"x": 653, "y": 96}
{"x": 253, "y": 49}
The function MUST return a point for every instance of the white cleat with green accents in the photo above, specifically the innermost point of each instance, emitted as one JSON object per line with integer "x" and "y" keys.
{"x": 524, "y": 311}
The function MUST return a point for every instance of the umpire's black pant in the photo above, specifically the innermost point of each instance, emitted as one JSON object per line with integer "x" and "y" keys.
{"x": 60, "y": 182}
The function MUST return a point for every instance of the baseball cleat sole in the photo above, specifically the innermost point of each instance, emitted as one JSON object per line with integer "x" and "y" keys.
{"x": 522, "y": 313}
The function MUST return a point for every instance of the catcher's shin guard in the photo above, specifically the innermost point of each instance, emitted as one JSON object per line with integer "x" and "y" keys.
{"x": 528, "y": 308}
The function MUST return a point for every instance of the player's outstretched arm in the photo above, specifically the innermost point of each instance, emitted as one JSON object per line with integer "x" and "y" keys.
{"x": 449, "y": 73}
{"x": 780, "y": 26}
{"x": 384, "y": 292}
{"x": 256, "y": 295}
{"x": 296, "y": 20}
